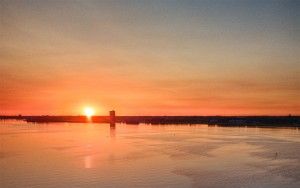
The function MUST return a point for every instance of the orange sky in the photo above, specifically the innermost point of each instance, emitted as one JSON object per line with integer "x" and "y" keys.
{"x": 150, "y": 58}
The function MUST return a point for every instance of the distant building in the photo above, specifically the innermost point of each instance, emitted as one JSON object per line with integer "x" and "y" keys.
{"x": 112, "y": 117}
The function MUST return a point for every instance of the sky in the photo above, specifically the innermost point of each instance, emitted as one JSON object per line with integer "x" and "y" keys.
{"x": 150, "y": 57}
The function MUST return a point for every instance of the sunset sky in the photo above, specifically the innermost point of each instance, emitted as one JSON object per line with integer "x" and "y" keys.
{"x": 150, "y": 57}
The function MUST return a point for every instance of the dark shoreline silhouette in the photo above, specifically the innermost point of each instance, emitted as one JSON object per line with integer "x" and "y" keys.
{"x": 275, "y": 121}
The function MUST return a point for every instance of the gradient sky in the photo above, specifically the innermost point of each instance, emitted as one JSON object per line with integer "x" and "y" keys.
{"x": 150, "y": 57}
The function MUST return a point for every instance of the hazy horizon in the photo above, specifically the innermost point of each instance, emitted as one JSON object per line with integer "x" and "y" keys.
{"x": 83, "y": 115}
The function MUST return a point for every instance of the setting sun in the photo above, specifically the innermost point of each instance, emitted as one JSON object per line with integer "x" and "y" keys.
{"x": 89, "y": 111}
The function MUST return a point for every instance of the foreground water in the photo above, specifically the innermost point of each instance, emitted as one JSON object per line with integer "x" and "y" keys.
{"x": 96, "y": 155}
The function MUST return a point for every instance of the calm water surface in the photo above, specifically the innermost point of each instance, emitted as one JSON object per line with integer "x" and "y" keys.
{"x": 95, "y": 155}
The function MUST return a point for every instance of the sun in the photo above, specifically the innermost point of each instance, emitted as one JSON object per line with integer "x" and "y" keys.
{"x": 89, "y": 111}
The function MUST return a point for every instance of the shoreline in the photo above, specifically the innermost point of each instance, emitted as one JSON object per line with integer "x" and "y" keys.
{"x": 262, "y": 121}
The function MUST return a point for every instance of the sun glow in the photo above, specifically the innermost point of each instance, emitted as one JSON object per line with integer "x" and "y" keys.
{"x": 89, "y": 111}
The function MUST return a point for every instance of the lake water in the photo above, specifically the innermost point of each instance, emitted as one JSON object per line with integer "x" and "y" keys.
{"x": 96, "y": 155}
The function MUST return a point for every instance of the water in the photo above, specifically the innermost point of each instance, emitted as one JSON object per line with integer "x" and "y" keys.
{"x": 95, "y": 155}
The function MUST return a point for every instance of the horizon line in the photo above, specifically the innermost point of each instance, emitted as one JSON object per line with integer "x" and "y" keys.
{"x": 239, "y": 115}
